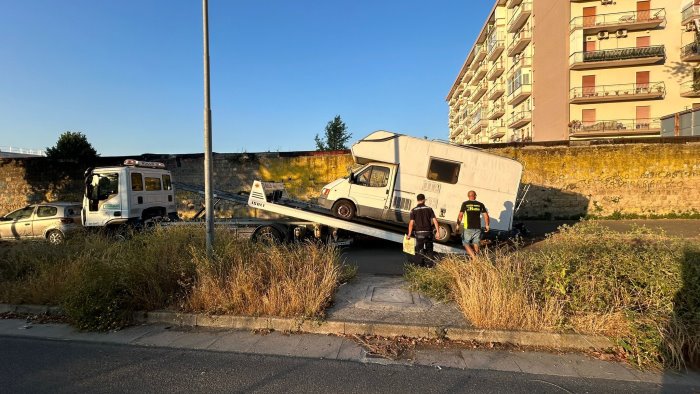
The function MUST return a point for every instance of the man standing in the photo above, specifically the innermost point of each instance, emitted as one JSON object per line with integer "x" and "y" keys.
{"x": 471, "y": 212}
{"x": 423, "y": 220}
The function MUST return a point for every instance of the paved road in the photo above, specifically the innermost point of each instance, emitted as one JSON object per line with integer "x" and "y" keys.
{"x": 35, "y": 365}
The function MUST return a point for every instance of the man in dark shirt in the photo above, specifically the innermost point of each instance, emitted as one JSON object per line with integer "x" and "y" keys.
{"x": 423, "y": 221}
{"x": 471, "y": 212}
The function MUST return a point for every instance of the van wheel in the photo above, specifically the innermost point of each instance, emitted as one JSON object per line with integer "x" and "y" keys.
{"x": 55, "y": 237}
{"x": 444, "y": 234}
{"x": 344, "y": 210}
{"x": 268, "y": 235}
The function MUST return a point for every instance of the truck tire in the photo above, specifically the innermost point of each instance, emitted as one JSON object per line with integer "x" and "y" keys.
{"x": 268, "y": 234}
{"x": 444, "y": 234}
{"x": 344, "y": 209}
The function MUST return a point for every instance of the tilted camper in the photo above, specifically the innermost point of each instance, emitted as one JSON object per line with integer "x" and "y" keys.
{"x": 396, "y": 168}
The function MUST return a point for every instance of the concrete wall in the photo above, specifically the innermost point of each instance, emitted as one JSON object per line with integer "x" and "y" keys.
{"x": 566, "y": 181}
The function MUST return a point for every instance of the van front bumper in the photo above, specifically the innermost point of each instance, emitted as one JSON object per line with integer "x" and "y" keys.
{"x": 325, "y": 203}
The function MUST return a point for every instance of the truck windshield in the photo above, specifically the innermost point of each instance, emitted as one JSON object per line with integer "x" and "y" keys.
{"x": 102, "y": 186}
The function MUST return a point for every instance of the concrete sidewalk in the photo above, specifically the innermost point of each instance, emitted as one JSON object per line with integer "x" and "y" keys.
{"x": 339, "y": 348}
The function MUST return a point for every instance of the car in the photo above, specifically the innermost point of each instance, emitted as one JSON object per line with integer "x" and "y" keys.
{"x": 50, "y": 221}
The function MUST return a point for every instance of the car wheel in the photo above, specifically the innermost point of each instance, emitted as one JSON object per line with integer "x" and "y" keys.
{"x": 55, "y": 237}
{"x": 444, "y": 234}
{"x": 344, "y": 210}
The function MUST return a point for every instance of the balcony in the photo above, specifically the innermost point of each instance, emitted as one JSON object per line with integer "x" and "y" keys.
{"x": 479, "y": 54}
{"x": 518, "y": 92}
{"x": 690, "y": 52}
{"x": 520, "y": 119}
{"x": 456, "y": 131}
{"x": 631, "y": 20}
{"x": 521, "y": 14}
{"x": 497, "y": 110}
{"x": 478, "y": 125}
{"x": 615, "y": 128}
{"x": 520, "y": 64}
{"x": 621, "y": 92}
{"x": 495, "y": 71}
{"x": 479, "y": 74}
{"x": 690, "y": 89}
{"x": 690, "y": 12}
{"x": 620, "y": 57}
{"x": 497, "y": 132}
{"x": 479, "y": 91}
{"x": 496, "y": 91}
{"x": 520, "y": 41}
{"x": 513, "y": 3}
{"x": 495, "y": 45}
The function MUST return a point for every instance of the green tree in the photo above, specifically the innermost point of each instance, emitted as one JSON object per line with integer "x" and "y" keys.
{"x": 72, "y": 146}
{"x": 336, "y": 136}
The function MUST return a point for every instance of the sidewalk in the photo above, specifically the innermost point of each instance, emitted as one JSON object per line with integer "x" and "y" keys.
{"x": 339, "y": 348}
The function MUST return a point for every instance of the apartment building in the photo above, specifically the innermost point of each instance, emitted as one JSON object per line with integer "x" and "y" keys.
{"x": 577, "y": 69}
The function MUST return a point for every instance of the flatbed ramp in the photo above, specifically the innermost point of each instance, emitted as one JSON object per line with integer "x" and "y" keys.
{"x": 262, "y": 196}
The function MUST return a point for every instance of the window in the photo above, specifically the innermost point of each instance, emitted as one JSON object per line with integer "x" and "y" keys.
{"x": 167, "y": 185}
{"x": 374, "y": 176}
{"x": 19, "y": 214}
{"x": 73, "y": 210}
{"x": 46, "y": 212}
{"x": 152, "y": 184}
{"x": 136, "y": 182}
{"x": 588, "y": 117}
{"x": 643, "y": 41}
{"x": 103, "y": 185}
{"x": 443, "y": 171}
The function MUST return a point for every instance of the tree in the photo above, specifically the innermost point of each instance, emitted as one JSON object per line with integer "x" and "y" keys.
{"x": 72, "y": 146}
{"x": 336, "y": 137}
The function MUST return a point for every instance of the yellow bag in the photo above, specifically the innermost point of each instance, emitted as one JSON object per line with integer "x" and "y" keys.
{"x": 409, "y": 245}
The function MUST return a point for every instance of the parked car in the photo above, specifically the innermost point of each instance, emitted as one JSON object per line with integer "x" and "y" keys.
{"x": 51, "y": 221}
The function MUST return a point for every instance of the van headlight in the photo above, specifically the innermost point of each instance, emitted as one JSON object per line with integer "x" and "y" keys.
{"x": 325, "y": 191}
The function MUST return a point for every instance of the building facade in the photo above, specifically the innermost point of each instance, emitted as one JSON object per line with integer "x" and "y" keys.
{"x": 548, "y": 70}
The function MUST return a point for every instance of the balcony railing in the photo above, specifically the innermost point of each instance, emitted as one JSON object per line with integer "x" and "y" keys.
{"x": 479, "y": 91}
{"x": 622, "y": 127}
{"x": 495, "y": 45}
{"x": 520, "y": 41}
{"x": 479, "y": 74}
{"x": 520, "y": 119}
{"x": 631, "y": 20}
{"x": 617, "y": 57}
{"x": 521, "y": 62}
{"x": 496, "y": 91}
{"x": 480, "y": 53}
{"x": 690, "y": 89}
{"x": 520, "y": 16}
{"x": 497, "y": 110}
{"x": 513, "y": 3}
{"x": 690, "y": 12}
{"x": 495, "y": 71}
{"x": 690, "y": 52}
{"x": 619, "y": 92}
{"x": 497, "y": 132}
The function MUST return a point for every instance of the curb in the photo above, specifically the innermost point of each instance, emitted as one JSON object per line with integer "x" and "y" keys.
{"x": 31, "y": 309}
{"x": 522, "y": 338}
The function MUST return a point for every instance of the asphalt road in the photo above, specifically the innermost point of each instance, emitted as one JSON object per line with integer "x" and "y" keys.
{"x": 33, "y": 365}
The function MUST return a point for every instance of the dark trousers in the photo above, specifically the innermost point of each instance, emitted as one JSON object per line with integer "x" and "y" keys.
{"x": 424, "y": 249}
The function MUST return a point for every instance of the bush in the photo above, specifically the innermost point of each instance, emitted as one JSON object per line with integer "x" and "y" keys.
{"x": 640, "y": 288}
{"x": 100, "y": 282}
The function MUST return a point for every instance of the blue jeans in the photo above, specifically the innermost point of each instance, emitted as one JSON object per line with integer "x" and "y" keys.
{"x": 471, "y": 236}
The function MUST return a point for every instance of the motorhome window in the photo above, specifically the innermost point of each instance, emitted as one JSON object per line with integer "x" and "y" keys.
{"x": 152, "y": 184}
{"x": 136, "y": 182}
{"x": 167, "y": 185}
{"x": 443, "y": 171}
{"x": 379, "y": 177}
{"x": 46, "y": 212}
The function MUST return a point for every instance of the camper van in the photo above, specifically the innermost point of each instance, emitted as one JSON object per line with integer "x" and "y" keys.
{"x": 132, "y": 194}
{"x": 396, "y": 168}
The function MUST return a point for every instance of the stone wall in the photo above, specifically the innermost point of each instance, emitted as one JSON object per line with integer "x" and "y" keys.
{"x": 566, "y": 181}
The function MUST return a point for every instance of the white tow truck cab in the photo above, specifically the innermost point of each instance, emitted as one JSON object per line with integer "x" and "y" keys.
{"x": 132, "y": 194}
{"x": 396, "y": 168}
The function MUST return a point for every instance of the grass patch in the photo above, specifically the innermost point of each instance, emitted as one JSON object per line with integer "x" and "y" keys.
{"x": 99, "y": 282}
{"x": 640, "y": 288}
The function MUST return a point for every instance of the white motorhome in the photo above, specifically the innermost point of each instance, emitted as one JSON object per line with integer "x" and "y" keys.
{"x": 131, "y": 194}
{"x": 396, "y": 168}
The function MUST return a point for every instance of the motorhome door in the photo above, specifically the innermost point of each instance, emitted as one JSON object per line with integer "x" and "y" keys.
{"x": 371, "y": 190}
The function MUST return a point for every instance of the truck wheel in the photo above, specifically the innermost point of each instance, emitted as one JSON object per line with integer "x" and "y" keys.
{"x": 55, "y": 237}
{"x": 444, "y": 234}
{"x": 268, "y": 234}
{"x": 344, "y": 210}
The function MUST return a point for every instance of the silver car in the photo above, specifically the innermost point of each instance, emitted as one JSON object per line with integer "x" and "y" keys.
{"x": 51, "y": 221}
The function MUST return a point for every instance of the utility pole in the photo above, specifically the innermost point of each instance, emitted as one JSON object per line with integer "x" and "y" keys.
{"x": 208, "y": 165}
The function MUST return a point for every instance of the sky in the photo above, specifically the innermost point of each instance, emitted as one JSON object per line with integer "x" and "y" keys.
{"x": 128, "y": 73}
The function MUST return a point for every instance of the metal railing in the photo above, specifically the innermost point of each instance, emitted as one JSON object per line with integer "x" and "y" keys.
{"x": 22, "y": 151}
{"x": 615, "y": 126}
{"x": 618, "y": 90}
{"x": 618, "y": 18}
{"x": 690, "y": 49}
{"x": 518, "y": 116}
{"x": 618, "y": 54}
{"x": 523, "y": 61}
{"x": 691, "y": 87}
{"x": 690, "y": 11}
{"x": 496, "y": 38}
{"x": 525, "y": 6}
{"x": 523, "y": 34}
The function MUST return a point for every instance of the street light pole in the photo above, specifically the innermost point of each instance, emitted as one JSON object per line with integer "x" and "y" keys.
{"x": 208, "y": 165}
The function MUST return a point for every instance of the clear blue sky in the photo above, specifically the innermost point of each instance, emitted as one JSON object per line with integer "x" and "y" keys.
{"x": 129, "y": 73}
